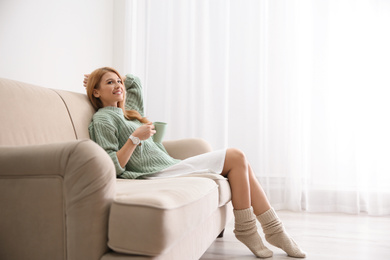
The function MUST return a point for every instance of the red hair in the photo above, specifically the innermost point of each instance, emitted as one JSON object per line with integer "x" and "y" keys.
{"x": 94, "y": 83}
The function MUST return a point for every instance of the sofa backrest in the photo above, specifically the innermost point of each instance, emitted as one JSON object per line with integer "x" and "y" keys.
{"x": 31, "y": 114}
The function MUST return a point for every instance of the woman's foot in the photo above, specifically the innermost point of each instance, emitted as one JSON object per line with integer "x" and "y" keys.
{"x": 277, "y": 236}
{"x": 246, "y": 231}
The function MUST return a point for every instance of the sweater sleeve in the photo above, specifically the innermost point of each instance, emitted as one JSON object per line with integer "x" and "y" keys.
{"x": 105, "y": 135}
{"x": 134, "y": 97}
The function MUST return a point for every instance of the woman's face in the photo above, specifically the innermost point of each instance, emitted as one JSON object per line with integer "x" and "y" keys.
{"x": 111, "y": 90}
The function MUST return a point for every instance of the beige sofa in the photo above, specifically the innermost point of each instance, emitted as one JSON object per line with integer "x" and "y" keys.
{"x": 60, "y": 199}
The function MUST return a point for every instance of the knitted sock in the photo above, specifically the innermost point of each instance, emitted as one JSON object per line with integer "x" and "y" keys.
{"x": 276, "y": 235}
{"x": 246, "y": 231}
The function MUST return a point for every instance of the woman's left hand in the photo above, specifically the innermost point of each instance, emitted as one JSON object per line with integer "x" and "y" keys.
{"x": 145, "y": 131}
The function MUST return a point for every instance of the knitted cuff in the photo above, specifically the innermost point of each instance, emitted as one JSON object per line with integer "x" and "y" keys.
{"x": 243, "y": 214}
{"x": 267, "y": 216}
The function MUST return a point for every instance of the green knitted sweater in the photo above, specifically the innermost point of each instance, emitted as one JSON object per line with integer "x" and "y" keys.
{"x": 111, "y": 130}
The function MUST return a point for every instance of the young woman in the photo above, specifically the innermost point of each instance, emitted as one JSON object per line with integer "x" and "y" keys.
{"x": 119, "y": 127}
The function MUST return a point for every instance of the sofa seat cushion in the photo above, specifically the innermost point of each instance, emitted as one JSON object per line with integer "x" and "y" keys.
{"x": 224, "y": 191}
{"x": 148, "y": 217}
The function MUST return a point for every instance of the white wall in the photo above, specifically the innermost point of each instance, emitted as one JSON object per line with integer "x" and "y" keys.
{"x": 53, "y": 43}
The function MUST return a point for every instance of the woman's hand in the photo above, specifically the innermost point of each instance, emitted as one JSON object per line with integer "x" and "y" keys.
{"x": 85, "y": 80}
{"x": 145, "y": 131}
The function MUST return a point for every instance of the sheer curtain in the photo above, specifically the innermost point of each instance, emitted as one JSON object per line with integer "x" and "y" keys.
{"x": 302, "y": 87}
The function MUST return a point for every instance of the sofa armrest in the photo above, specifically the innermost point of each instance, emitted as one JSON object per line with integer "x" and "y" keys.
{"x": 55, "y": 200}
{"x": 184, "y": 148}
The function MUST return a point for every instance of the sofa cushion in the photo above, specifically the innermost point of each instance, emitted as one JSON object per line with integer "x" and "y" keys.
{"x": 80, "y": 111}
{"x": 32, "y": 115}
{"x": 148, "y": 217}
{"x": 224, "y": 191}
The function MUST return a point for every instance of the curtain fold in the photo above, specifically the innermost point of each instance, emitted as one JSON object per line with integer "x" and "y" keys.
{"x": 302, "y": 87}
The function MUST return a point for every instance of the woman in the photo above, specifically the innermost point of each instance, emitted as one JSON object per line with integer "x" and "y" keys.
{"x": 119, "y": 127}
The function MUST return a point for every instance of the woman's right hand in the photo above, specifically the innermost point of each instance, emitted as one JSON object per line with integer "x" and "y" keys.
{"x": 85, "y": 80}
{"x": 145, "y": 131}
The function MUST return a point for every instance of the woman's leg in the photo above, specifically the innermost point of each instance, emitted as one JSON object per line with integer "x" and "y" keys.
{"x": 245, "y": 229}
{"x": 247, "y": 192}
{"x": 259, "y": 199}
{"x": 236, "y": 169}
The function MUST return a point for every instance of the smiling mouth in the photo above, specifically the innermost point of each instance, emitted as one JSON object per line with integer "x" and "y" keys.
{"x": 118, "y": 92}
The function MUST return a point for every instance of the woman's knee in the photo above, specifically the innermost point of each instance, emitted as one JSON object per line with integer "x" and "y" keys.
{"x": 235, "y": 163}
{"x": 236, "y": 155}
{"x": 236, "y": 159}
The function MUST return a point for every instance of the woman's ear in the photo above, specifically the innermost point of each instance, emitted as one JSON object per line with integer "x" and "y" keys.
{"x": 96, "y": 93}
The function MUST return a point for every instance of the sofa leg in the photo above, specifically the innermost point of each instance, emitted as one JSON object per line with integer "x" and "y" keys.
{"x": 221, "y": 234}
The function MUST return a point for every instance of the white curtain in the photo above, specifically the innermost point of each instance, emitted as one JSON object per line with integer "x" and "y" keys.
{"x": 302, "y": 87}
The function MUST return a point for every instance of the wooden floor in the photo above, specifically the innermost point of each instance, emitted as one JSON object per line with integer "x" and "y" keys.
{"x": 321, "y": 236}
